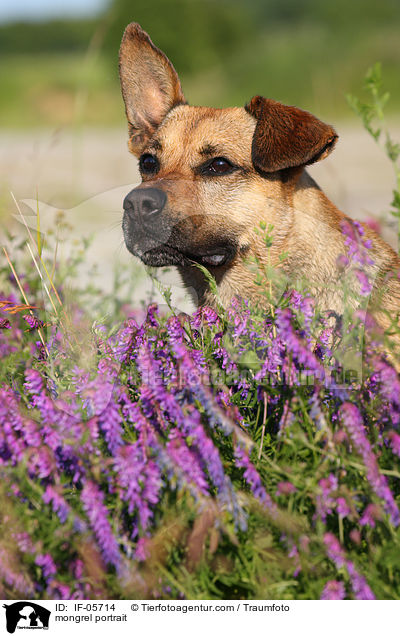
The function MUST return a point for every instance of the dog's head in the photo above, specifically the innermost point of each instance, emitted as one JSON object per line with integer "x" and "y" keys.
{"x": 209, "y": 176}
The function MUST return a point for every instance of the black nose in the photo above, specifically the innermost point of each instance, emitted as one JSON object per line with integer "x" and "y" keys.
{"x": 148, "y": 202}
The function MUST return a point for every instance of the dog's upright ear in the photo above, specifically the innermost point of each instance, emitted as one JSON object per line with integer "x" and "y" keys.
{"x": 287, "y": 137}
{"x": 150, "y": 85}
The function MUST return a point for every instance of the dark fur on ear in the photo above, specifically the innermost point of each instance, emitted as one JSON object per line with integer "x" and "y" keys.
{"x": 287, "y": 137}
{"x": 150, "y": 85}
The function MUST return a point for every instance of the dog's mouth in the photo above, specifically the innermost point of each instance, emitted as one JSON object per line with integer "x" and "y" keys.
{"x": 167, "y": 255}
{"x": 176, "y": 247}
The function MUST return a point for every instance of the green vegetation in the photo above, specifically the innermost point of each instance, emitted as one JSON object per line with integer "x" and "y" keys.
{"x": 219, "y": 455}
{"x": 212, "y": 456}
{"x": 373, "y": 118}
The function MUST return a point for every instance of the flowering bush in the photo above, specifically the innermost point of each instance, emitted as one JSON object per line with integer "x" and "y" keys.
{"x": 218, "y": 455}
{"x": 243, "y": 453}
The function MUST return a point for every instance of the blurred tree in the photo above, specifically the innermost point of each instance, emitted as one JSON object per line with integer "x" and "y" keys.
{"x": 338, "y": 13}
{"x": 305, "y": 52}
{"x": 41, "y": 37}
{"x": 211, "y": 30}
{"x": 195, "y": 34}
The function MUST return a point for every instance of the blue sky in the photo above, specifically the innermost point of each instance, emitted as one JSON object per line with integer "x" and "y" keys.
{"x": 42, "y": 9}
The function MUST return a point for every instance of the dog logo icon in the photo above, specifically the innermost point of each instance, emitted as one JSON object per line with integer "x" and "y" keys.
{"x": 26, "y": 615}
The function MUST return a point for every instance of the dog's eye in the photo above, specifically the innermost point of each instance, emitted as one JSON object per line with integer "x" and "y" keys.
{"x": 148, "y": 164}
{"x": 219, "y": 165}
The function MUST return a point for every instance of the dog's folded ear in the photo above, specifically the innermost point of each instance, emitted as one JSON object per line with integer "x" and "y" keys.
{"x": 287, "y": 137}
{"x": 150, "y": 85}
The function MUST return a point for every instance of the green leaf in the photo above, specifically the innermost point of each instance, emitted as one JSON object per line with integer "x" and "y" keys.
{"x": 373, "y": 77}
{"x": 250, "y": 360}
{"x": 392, "y": 149}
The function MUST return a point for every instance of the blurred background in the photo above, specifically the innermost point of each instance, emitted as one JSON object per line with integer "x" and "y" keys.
{"x": 58, "y": 60}
{"x": 62, "y": 127}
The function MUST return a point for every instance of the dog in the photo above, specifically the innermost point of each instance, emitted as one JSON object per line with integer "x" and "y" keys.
{"x": 210, "y": 176}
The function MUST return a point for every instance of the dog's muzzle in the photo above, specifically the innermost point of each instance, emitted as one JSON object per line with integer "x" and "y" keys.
{"x": 146, "y": 228}
{"x": 151, "y": 234}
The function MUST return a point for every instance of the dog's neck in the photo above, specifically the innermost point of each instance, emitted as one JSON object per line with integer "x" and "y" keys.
{"x": 307, "y": 217}
{"x": 304, "y": 212}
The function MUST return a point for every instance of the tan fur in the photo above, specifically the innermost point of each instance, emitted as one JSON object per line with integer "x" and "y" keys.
{"x": 306, "y": 224}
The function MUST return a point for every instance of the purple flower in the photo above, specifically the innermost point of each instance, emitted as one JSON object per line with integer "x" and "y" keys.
{"x": 97, "y": 395}
{"x": 324, "y": 500}
{"x": 33, "y": 381}
{"x": 323, "y": 348}
{"x": 33, "y": 322}
{"x": 139, "y": 480}
{"x": 305, "y": 306}
{"x": 342, "y": 507}
{"x": 45, "y": 561}
{"x": 123, "y": 437}
{"x": 285, "y": 488}
{"x": 217, "y": 416}
{"x": 294, "y": 554}
{"x": 151, "y": 316}
{"x": 361, "y": 589}
{"x": 316, "y": 412}
{"x": 4, "y": 323}
{"x": 358, "y": 254}
{"x": 253, "y": 479}
{"x": 273, "y": 358}
{"x": 371, "y": 513}
{"x": 333, "y": 591}
{"x": 31, "y": 433}
{"x": 142, "y": 552}
{"x": 222, "y": 354}
{"x": 108, "y": 367}
{"x": 18, "y": 582}
{"x": 190, "y": 423}
{"x": 389, "y": 383}
{"x": 58, "y": 590}
{"x": 101, "y": 399}
{"x": 24, "y": 542}
{"x": 357, "y": 247}
{"x": 92, "y": 501}
{"x": 110, "y": 424}
{"x": 394, "y": 442}
{"x": 51, "y": 495}
{"x": 328, "y": 484}
{"x": 126, "y": 341}
{"x": 355, "y": 535}
{"x": 295, "y": 345}
{"x": 206, "y": 314}
{"x": 12, "y": 443}
{"x": 188, "y": 460}
{"x": 353, "y": 422}
{"x": 365, "y": 284}
{"x": 42, "y": 462}
{"x": 40, "y": 350}
{"x": 80, "y": 379}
